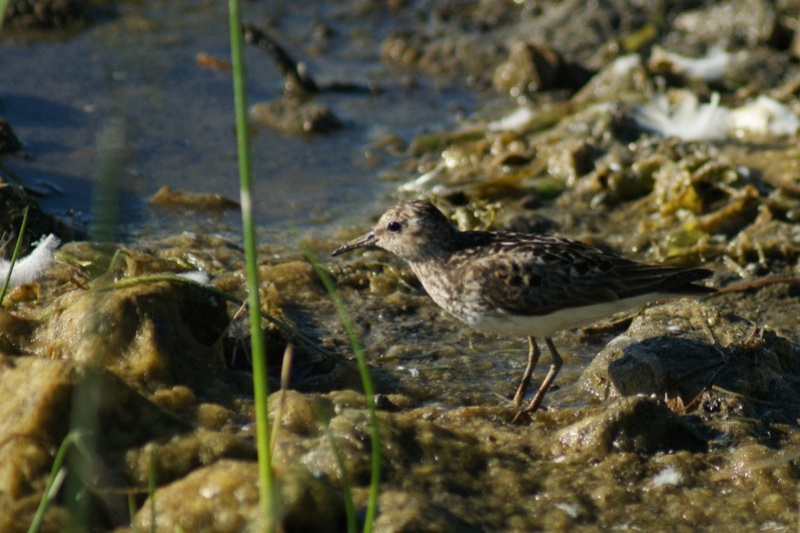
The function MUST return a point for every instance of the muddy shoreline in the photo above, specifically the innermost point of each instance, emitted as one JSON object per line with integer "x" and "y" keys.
{"x": 682, "y": 417}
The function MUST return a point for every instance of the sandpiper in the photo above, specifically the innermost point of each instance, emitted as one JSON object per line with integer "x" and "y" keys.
{"x": 522, "y": 284}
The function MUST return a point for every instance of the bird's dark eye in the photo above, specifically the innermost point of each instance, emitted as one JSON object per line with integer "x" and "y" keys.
{"x": 394, "y": 226}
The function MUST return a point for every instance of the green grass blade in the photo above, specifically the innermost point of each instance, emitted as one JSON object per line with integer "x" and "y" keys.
{"x": 3, "y": 8}
{"x": 132, "y": 511}
{"x": 14, "y": 255}
{"x": 266, "y": 493}
{"x": 54, "y": 481}
{"x": 369, "y": 392}
{"x": 347, "y": 486}
{"x": 151, "y": 491}
{"x": 107, "y": 190}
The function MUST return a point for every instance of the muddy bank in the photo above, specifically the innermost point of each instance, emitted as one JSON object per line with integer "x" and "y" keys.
{"x": 682, "y": 417}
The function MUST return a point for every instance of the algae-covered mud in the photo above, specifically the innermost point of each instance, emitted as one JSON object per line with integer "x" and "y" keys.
{"x": 665, "y": 133}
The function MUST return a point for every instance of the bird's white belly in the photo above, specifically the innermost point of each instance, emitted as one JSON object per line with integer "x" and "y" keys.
{"x": 502, "y": 323}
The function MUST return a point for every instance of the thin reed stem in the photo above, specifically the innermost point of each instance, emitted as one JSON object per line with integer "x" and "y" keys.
{"x": 14, "y": 255}
{"x": 369, "y": 391}
{"x": 260, "y": 389}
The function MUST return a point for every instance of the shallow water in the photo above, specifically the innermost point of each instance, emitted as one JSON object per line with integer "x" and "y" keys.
{"x": 178, "y": 117}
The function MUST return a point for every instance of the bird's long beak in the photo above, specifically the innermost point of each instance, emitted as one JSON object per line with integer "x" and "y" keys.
{"x": 364, "y": 241}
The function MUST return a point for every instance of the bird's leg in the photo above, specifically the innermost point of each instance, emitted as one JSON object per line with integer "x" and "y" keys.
{"x": 551, "y": 375}
{"x": 533, "y": 359}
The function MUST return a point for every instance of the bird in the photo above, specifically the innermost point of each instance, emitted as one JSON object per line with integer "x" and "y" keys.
{"x": 522, "y": 284}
